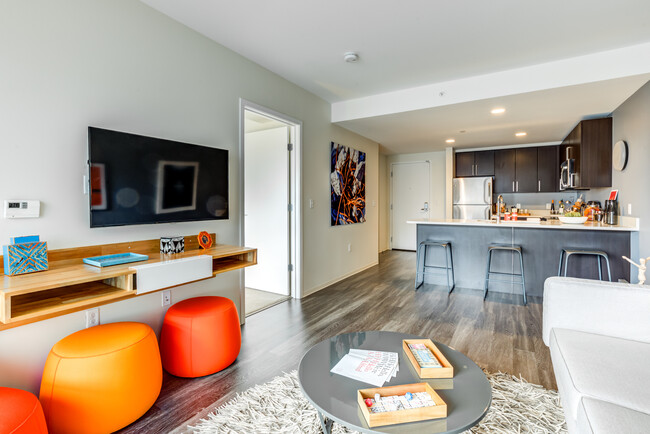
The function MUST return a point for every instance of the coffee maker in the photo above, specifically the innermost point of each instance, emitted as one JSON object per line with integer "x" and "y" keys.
{"x": 611, "y": 212}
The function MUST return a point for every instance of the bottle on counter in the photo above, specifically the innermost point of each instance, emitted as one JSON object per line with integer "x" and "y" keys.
{"x": 552, "y": 207}
{"x": 560, "y": 208}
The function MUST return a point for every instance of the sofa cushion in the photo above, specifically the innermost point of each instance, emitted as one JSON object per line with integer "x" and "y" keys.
{"x": 601, "y": 367}
{"x": 600, "y": 417}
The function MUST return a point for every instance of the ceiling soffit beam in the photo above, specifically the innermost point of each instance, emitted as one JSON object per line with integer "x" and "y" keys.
{"x": 605, "y": 65}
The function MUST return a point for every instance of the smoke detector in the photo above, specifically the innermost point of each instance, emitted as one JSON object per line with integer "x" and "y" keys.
{"x": 351, "y": 57}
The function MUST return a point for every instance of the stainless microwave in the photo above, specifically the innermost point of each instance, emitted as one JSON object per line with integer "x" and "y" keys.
{"x": 568, "y": 174}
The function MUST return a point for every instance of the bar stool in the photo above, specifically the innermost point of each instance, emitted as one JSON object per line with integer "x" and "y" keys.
{"x": 421, "y": 258}
{"x": 512, "y": 248}
{"x": 565, "y": 253}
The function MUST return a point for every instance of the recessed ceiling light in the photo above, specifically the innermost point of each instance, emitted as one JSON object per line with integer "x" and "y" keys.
{"x": 520, "y": 134}
{"x": 351, "y": 57}
{"x": 498, "y": 111}
{"x": 450, "y": 140}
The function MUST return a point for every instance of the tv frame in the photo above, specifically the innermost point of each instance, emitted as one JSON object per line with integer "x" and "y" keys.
{"x": 157, "y": 202}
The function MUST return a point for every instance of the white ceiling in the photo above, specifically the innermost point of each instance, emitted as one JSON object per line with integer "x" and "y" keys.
{"x": 406, "y": 45}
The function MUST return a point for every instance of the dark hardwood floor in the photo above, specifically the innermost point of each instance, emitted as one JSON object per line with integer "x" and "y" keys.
{"x": 499, "y": 334}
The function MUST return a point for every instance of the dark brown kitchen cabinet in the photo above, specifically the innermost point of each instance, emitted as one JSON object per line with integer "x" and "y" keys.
{"x": 464, "y": 164}
{"x": 479, "y": 163}
{"x": 515, "y": 170}
{"x": 484, "y": 161}
{"x": 526, "y": 170}
{"x": 590, "y": 145}
{"x": 548, "y": 168}
{"x": 504, "y": 171}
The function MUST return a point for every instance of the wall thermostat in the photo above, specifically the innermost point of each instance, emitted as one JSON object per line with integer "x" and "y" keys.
{"x": 21, "y": 209}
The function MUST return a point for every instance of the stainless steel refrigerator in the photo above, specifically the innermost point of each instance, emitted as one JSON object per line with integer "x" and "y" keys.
{"x": 472, "y": 198}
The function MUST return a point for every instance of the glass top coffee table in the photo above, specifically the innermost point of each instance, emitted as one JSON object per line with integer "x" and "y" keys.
{"x": 468, "y": 395}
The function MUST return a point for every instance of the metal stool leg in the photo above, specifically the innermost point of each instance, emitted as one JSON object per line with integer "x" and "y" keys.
{"x": 609, "y": 272}
{"x": 566, "y": 263}
{"x": 418, "y": 260}
{"x": 523, "y": 280}
{"x": 559, "y": 268}
{"x": 447, "y": 268}
{"x": 487, "y": 274}
{"x": 453, "y": 277}
{"x": 600, "y": 268}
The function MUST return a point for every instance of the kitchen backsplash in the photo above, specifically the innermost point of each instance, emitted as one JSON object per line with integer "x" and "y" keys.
{"x": 538, "y": 201}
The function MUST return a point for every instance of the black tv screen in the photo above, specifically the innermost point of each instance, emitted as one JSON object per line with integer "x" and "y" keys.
{"x": 141, "y": 180}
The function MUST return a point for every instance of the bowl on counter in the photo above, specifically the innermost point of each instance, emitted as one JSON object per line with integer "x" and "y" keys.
{"x": 572, "y": 220}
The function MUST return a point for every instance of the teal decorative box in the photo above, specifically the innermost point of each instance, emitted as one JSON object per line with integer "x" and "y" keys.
{"x": 25, "y": 258}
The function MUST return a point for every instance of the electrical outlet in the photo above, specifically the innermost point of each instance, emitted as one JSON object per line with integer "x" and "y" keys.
{"x": 629, "y": 209}
{"x": 166, "y": 298}
{"x": 349, "y": 247}
{"x": 311, "y": 203}
{"x": 92, "y": 317}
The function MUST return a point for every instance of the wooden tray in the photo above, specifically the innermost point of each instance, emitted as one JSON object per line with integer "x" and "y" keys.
{"x": 401, "y": 416}
{"x": 447, "y": 371}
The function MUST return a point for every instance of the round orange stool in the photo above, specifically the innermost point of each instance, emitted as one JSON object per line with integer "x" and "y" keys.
{"x": 200, "y": 336}
{"x": 101, "y": 379}
{"x": 20, "y": 412}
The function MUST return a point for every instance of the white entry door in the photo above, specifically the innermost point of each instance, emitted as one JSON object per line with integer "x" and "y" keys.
{"x": 410, "y": 200}
{"x": 267, "y": 216}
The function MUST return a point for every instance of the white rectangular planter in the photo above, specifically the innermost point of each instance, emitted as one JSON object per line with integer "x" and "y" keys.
{"x": 151, "y": 277}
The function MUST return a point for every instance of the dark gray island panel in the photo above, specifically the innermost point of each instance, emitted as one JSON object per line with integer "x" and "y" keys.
{"x": 541, "y": 249}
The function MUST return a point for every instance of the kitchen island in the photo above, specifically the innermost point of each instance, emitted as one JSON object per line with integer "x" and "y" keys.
{"x": 541, "y": 244}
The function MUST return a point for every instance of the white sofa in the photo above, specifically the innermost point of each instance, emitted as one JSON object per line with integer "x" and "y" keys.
{"x": 599, "y": 337}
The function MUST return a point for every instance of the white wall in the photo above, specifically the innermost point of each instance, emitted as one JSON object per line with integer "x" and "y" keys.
{"x": 266, "y": 215}
{"x": 631, "y": 122}
{"x": 436, "y": 190}
{"x": 119, "y": 64}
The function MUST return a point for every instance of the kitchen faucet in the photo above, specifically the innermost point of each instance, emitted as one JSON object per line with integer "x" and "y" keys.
{"x": 499, "y": 202}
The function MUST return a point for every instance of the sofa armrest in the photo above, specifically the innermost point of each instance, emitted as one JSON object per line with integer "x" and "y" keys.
{"x": 606, "y": 308}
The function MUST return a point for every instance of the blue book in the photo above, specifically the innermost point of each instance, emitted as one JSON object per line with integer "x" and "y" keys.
{"x": 25, "y": 239}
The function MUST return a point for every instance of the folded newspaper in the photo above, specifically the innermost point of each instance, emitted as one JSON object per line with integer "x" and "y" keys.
{"x": 373, "y": 367}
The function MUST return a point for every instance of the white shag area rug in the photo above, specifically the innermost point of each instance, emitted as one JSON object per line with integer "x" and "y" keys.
{"x": 280, "y": 407}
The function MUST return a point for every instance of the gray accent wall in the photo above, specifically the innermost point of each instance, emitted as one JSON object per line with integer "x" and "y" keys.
{"x": 632, "y": 124}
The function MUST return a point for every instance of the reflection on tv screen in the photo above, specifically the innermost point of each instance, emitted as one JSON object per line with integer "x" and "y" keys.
{"x": 138, "y": 180}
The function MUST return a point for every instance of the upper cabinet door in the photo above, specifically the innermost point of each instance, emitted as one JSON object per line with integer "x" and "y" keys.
{"x": 504, "y": 171}
{"x": 548, "y": 168}
{"x": 484, "y": 163}
{"x": 465, "y": 164}
{"x": 526, "y": 170}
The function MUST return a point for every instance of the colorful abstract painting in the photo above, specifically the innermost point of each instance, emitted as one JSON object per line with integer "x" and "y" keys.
{"x": 348, "y": 185}
{"x": 25, "y": 258}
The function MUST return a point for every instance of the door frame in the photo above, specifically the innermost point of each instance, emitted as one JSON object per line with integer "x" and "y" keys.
{"x": 428, "y": 162}
{"x": 295, "y": 194}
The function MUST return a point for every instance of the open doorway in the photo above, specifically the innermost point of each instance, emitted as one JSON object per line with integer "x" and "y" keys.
{"x": 269, "y": 170}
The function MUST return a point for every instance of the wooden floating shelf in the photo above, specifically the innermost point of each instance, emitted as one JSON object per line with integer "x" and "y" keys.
{"x": 70, "y": 285}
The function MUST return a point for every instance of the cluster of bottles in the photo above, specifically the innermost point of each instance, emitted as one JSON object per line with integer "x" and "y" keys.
{"x": 562, "y": 207}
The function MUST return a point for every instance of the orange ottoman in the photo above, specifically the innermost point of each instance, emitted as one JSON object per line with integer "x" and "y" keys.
{"x": 20, "y": 412}
{"x": 200, "y": 336}
{"x": 101, "y": 379}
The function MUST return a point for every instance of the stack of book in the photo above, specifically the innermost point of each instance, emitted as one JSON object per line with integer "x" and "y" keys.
{"x": 373, "y": 367}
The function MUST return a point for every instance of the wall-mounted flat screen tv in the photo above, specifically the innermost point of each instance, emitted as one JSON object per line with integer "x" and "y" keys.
{"x": 141, "y": 180}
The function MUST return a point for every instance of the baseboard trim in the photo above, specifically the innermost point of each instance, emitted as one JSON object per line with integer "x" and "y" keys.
{"x": 338, "y": 279}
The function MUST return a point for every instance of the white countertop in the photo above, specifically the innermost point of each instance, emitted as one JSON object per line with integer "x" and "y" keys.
{"x": 625, "y": 224}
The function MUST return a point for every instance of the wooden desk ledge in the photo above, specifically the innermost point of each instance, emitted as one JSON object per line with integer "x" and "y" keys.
{"x": 69, "y": 285}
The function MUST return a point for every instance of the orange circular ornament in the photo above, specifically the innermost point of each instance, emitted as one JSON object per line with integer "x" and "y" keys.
{"x": 205, "y": 240}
